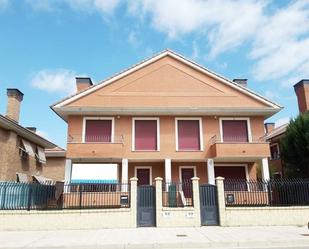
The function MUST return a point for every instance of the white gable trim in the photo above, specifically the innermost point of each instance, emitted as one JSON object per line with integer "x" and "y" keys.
{"x": 177, "y": 57}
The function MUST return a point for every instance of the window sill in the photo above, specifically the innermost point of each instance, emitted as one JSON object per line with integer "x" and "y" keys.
{"x": 145, "y": 151}
{"x": 189, "y": 150}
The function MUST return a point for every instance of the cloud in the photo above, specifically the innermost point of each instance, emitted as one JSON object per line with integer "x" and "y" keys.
{"x": 101, "y": 6}
{"x": 132, "y": 39}
{"x": 224, "y": 28}
{"x": 282, "y": 121}
{"x": 3, "y": 4}
{"x": 42, "y": 5}
{"x": 43, "y": 134}
{"x": 281, "y": 47}
{"x": 277, "y": 37}
{"x": 55, "y": 81}
{"x": 271, "y": 94}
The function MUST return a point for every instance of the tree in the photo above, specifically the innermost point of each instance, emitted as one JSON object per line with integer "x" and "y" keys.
{"x": 295, "y": 147}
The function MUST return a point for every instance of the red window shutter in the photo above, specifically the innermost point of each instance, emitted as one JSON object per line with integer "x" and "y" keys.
{"x": 235, "y": 130}
{"x": 188, "y": 135}
{"x": 145, "y": 134}
{"x": 98, "y": 131}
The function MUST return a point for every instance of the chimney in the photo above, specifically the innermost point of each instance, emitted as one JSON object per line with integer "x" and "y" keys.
{"x": 15, "y": 97}
{"x": 302, "y": 92}
{"x": 33, "y": 129}
{"x": 242, "y": 82}
{"x": 269, "y": 127}
{"x": 83, "y": 83}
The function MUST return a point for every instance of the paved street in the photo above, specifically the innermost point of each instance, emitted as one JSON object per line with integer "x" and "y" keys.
{"x": 210, "y": 237}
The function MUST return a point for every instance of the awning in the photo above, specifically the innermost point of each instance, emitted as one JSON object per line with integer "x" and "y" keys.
{"x": 94, "y": 173}
{"x": 28, "y": 148}
{"x": 41, "y": 155}
{"x": 41, "y": 179}
{"x": 22, "y": 177}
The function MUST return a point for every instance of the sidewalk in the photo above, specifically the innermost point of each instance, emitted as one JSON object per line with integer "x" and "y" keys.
{"x": 204, "y": 237}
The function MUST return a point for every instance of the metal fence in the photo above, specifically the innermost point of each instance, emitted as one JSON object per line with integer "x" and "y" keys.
{"x": 177, "y": 194}
{"x": 275, "y": 192}
{"x": 35, "y": 196}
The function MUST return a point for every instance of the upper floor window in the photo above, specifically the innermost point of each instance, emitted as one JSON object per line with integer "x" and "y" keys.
{"x": 98, "y": 130}
{"x": 274, "y": 151}
{"x": 189, "y": 134}
{"x": 145, "y": 134}
{"x": 235, "y": 130}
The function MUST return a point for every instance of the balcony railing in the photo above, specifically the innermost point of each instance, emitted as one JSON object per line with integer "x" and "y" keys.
{"x": 77, "y": 138}
{"x": 236, "y": 139}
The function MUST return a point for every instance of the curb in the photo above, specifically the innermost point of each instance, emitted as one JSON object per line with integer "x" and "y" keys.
{"x": 192, "y": 245}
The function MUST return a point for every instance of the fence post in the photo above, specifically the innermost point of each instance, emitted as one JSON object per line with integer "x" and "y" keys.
{"x": 133, "y": 200}
{"x": 196, "y": 200}
{"x": 159, "y": 181}
{"x": 221, "y": 200}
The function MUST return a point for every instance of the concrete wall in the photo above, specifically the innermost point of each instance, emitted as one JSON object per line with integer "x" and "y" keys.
{"x": 67, "y": 219}
{"x": 267, "y": 216}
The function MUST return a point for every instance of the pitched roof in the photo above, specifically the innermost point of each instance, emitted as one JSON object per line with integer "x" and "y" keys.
{"x": 277, "y": 131}
{"x": 10, "y": 124}
{"x": 152, "y": 59}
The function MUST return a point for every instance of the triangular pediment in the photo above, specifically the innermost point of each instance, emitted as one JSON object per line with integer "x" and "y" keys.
{"x": 167, "y": 80}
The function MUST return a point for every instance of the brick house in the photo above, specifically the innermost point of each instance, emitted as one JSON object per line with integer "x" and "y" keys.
{"x": 274, "y": 135}
{"x": 169, "y": 117}
{"x": 24, "y": 151}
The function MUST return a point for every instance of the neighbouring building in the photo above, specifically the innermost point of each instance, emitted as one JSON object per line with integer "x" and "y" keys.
{"x": 22, "y": 150}
{"x": 166, "y": 116}
{"x": 274, "y": 135}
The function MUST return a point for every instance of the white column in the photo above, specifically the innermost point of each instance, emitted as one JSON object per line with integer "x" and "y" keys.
{"x": 124, "y": 174}
{"x": 67, "y": 170}
{"x": 265, "y": 169}
{"x": 211, "y": 171}
{"x": 168, "y": 170}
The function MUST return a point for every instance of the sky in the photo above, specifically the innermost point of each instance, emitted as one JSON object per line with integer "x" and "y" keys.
{"x": 44, "y": 44}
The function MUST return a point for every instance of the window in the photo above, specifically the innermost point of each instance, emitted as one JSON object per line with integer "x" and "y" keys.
{"x": 98, "y": 130}
{"x": 94, "y": 173}
{"x": 145, "y": 134}
{"x": 274, "y": 151}
{"x": 188, "y": 134}
{"x": 235, "y": 130}
{"x": 26, "y": 149}
{"x": 40, "y": 155}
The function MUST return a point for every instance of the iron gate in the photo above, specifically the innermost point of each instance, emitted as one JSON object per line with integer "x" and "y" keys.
{"x": 209, "y": 205}
{"x": 146, "y": 206}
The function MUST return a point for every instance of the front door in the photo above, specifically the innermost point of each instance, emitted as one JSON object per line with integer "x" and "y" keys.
{"x": 143, "y": 176}
{"x": 186, "y": 175}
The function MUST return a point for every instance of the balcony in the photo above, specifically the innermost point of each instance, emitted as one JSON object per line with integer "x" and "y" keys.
{"x": 94, "y": 147}
{"x": 238, "y": 149}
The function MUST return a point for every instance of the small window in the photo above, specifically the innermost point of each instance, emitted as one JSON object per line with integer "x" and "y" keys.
{"x": 274, "y": 151}
{"x": 98, "y": 130}
{"x": 235, "y": 131}
{"x": 146, "y": 134}
{"x": 188, "y": 134}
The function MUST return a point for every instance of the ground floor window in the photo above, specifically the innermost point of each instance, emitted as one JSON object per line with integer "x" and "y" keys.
{"x": 94, "y": 173}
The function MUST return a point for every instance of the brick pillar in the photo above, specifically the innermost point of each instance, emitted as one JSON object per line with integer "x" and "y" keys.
{"x": 196, "y": 200}
{"x": 133, "y": 201}
{"x": 221, "y": 200}
{"x": 158, "y": 181}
